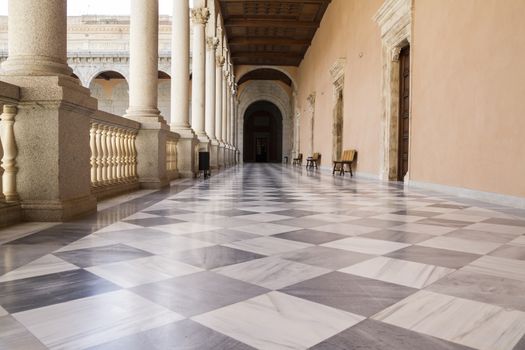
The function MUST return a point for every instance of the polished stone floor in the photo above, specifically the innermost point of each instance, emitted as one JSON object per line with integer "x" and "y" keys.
{"x": 269, "y": 257}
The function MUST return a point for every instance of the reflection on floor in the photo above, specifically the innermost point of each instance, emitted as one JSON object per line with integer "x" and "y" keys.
{"x": 269, "y": 257}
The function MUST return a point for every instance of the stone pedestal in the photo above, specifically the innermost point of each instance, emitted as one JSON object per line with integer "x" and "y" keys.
{"x": 187, "y": 151}
{"x": 52, "y": 135}
{"x": 221, "y": 156}
{"x": 214, "y": 154}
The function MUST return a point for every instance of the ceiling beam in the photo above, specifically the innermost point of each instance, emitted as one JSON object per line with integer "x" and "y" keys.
{"x": 268, "y": 41}
{"x": 260, "y": 22}
{"x": 266, "y": 54}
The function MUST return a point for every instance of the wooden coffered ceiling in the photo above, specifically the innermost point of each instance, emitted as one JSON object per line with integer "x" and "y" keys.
{"x": 271, "y": 32}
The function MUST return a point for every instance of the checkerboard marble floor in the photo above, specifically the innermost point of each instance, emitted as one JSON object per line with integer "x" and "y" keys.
{"x": 269, "y": 257}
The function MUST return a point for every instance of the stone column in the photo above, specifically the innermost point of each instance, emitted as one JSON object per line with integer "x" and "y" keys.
{"x": 224, "y": 113}
{"x": 218, "y": 109}
{"x": 210, "y": 127}
{"x": 143, "y": 84}
{"x": 180, "y": 89}
{"x": 52, "y": 123}
{"x": 199, "y": 17}
{"x": 227, "y": 118}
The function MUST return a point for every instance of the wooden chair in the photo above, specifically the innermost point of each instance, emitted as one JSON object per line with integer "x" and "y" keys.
{"x": 298, "y": 160}
{"x": 313, "y": 161}
{"x": 346, "y": 159}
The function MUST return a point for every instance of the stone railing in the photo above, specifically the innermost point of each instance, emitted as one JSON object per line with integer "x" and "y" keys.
{"x": 10, "y": 211}
{"x": 171, "y": 156}
{"x": 113, "y": 154}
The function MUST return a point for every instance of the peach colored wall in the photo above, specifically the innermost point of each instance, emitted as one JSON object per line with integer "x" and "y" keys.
{"x": 468, "y": 94}
{"x": 347, "y": 30}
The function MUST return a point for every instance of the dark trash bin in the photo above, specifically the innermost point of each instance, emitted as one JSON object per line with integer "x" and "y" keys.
{"x": 204, "y": 163}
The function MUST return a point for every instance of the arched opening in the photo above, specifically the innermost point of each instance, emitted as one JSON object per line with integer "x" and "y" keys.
{"x": 263, "y": 130}
{"x": 111, "y": 90}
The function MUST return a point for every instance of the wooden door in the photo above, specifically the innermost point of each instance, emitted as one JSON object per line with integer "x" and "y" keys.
{"x": 404, "y": 117}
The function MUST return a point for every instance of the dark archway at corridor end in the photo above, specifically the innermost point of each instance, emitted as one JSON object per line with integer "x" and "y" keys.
{"x": 263, "y": 133}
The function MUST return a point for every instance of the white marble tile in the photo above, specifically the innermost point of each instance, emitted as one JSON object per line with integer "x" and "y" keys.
{"x": 118, "y": 226}
{"x": 266, "y": 229}
{"x": 141, "y": 215}
{"x": 265, "y": 217}
{"x": 485, "y": 213}
{"x": 422, "y": 228}
{"x": 397, "y": 217}
{"x": 168, "y": 246}
{"x": 460, "y": 217}
{"x": 331, "y": 217}
{"x": 366, "y": 245}
{"x": 470, "y": 323}
{"x": 435, "y": 209}
{"x": 262, "y": 209}
{"x": 185, "y": 227}
{"x": 346, "y": 229}
{"x": 519, "y": 241}
{"x": 406, "y": 273}
{"x": 91, "y": 241}
{"x": 3, "y": 312}
{"x": 271, "y": 272}
{"x": 43, "y": 266}
{"x": 278, "y": 321}
{"x": 135, "y": 272}
{"x": 460, "y": 245}
{"x": 482, "y": 226}
{"x": 268, "y": 245}
{"x": 499, "y": 267}
{"x": 87, "y": 322}
{"x": 198, "y": 217}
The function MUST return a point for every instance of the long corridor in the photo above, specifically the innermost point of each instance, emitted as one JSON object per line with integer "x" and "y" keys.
{"x": 269, "y": 257}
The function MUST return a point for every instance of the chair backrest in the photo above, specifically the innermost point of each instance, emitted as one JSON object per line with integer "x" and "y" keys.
{"x": 316, "y": 156}
{"x": 300, "y": 156}
{"x": 348, "y": 155}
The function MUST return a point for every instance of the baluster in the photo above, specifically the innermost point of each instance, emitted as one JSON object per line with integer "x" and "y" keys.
{"x": 118, "y": 158}
{"x": 111, "y": 152}
{"x": 99, "y": 154}
{"x": 134, "y": 155}
{"x": 103, "y": 141}
{"x": 7, "y": 137}
{"x": 125, "y": 144}
{"x": 93, "y": 147}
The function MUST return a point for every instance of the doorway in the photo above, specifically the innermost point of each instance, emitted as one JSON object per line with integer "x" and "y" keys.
{"x": 263, "y": 133}
{"x": 404, "y": 113}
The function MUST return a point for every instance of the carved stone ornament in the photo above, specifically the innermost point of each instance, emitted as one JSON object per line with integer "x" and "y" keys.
{"x": 395, "y": 53}
{"x": 220, "y": 61}
{"x": 338, "y": 69}
{"x": 200, "y": 15}
{"x": 212, "y": 42}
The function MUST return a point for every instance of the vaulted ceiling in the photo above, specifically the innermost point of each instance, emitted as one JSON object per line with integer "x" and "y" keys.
{"x": 271, "y": 32}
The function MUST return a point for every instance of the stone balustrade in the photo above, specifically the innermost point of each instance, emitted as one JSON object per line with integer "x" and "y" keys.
{"x": 113, "y": 154}
{"x": 171, "y": 156}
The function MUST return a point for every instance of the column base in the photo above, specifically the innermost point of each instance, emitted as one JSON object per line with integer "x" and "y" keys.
{"x": 187, "y": 150}
{"x": 204, "y": 143}
{"x": 58, "y": 210}
{"x": 220, "y": 156}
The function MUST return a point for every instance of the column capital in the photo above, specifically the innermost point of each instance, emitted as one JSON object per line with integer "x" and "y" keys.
{"x": 219, "y": 60}
{"x": 212, "y": 43}
{"x": 200, "y": 15}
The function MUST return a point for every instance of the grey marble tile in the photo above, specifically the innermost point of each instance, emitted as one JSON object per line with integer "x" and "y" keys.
{"x": 198, "y": 293}
{"x": 444, "y": 222}
{"x": 329, "y": 258}
{"x": 481, "y": 236}
{"x": 505, "y": 292}
{"x": 374, "y": 335}
{"x": 156, "y": 221}
{"x": 35, "y": 292}
{"x": 417, "y": 213}
{"x": 397, "y": 236}
{"x": 310, "y": 236}
{"x": 359, "y": 295}
{"x": 215, "y": 256}
{"x": 182, "y": 335}
{"x": 433, "y": 256}
{"x": 102, "y": 255}
{"x": 221, "y": 236}
{"x": 503, "y": 221}
{"x": 14, "y": 336}
{"x": 377, "y": 223}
